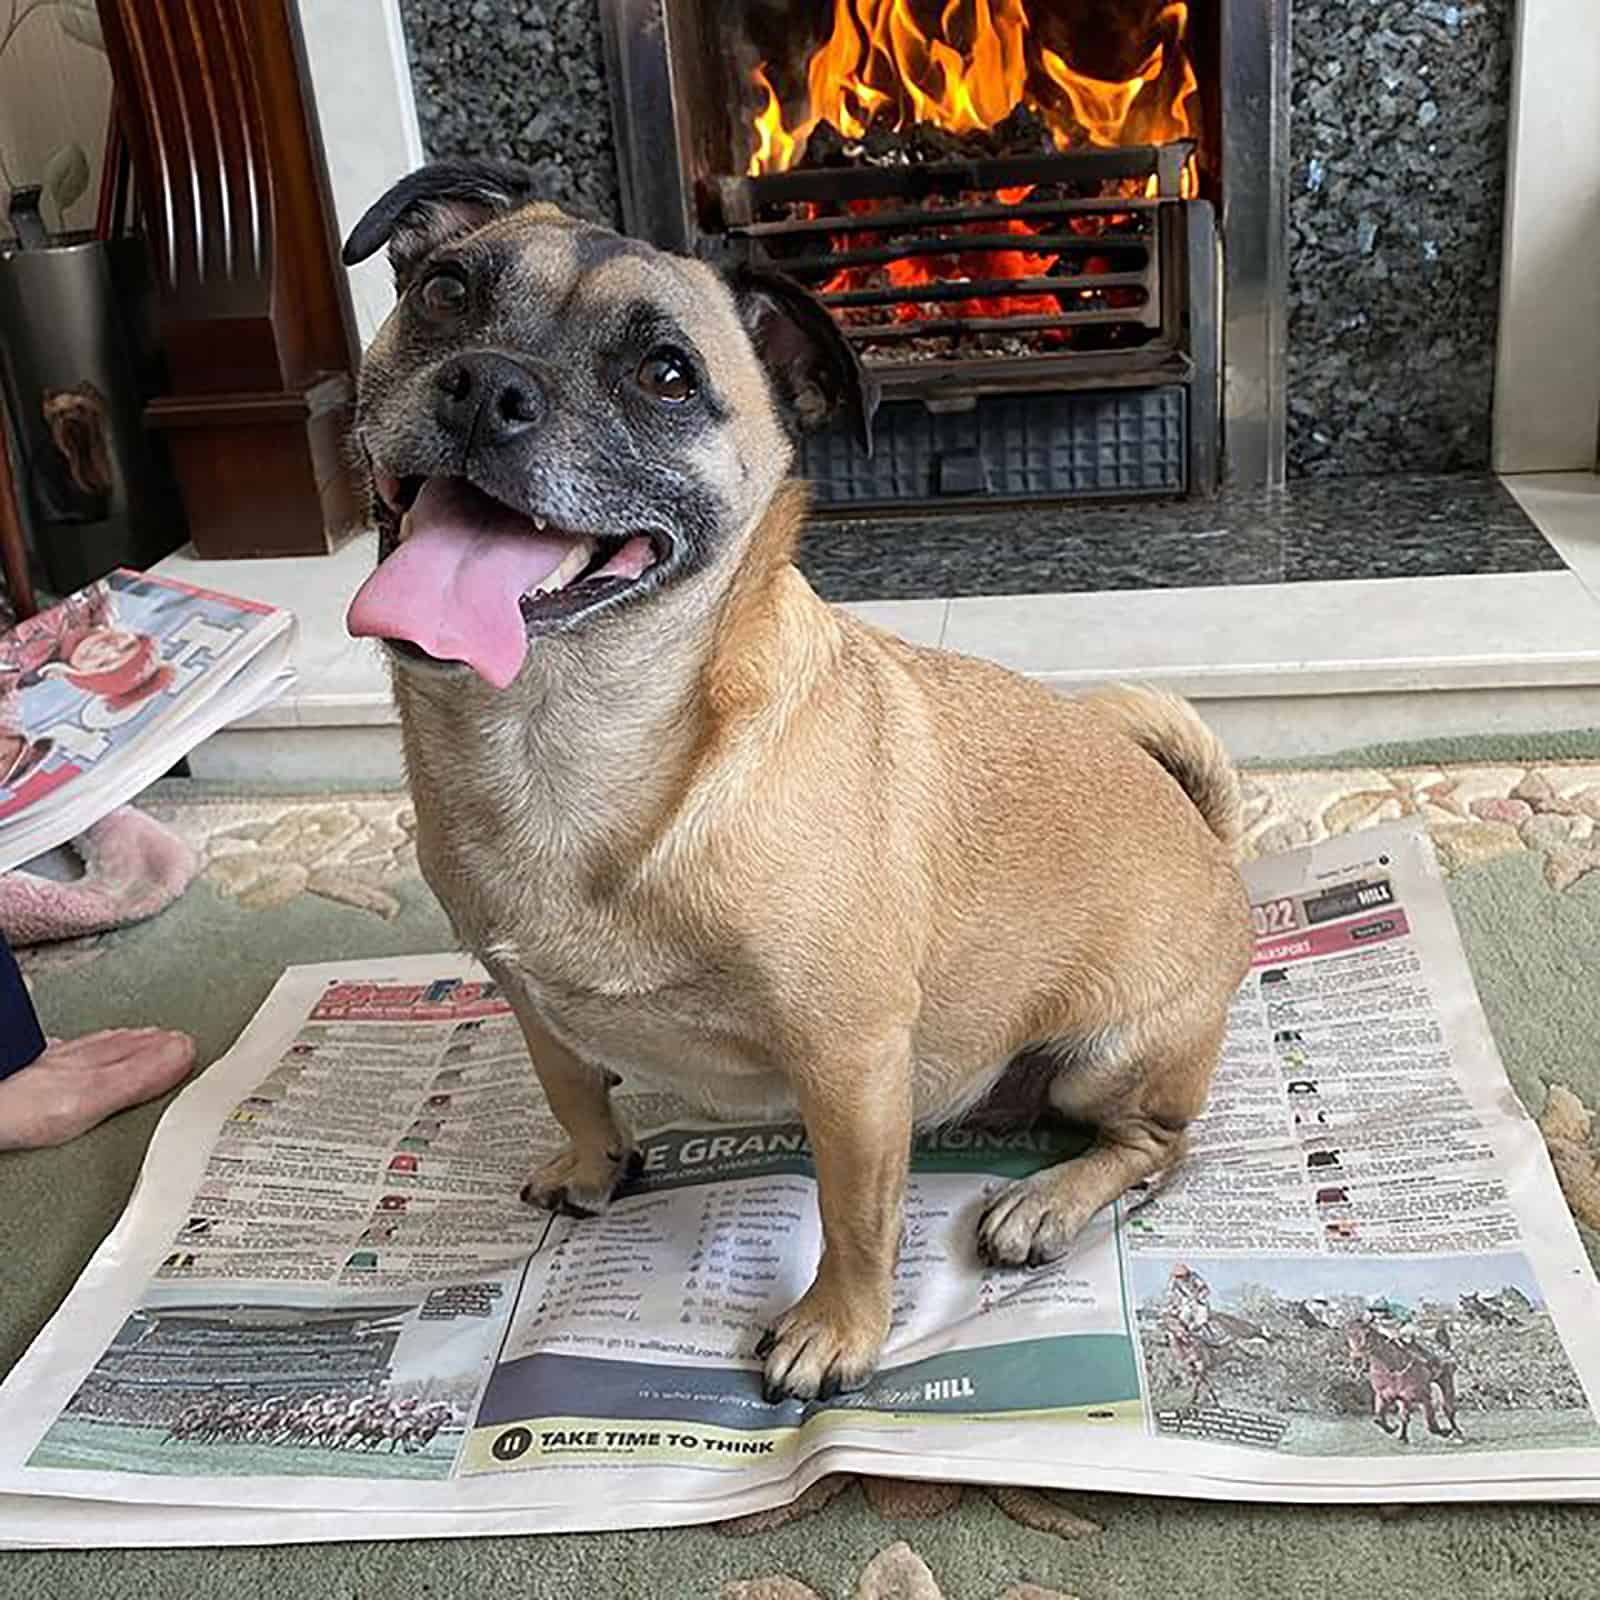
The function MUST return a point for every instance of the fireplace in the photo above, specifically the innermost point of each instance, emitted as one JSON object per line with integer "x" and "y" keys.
{"x": 1051, "y": 229}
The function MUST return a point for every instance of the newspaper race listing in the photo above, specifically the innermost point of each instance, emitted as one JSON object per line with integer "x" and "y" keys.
{"x": 326, "y": 1298}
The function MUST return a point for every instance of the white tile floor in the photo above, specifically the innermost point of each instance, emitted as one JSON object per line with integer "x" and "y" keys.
{"x": 1282, "y": 669}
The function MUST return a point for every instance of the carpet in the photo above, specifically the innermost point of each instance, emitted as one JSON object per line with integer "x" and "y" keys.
{"x": 286, "y": 878}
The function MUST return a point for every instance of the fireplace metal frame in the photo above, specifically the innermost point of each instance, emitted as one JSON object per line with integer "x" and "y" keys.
{"x": 1254, "y": 117}
{"x": 1141, "y": 229}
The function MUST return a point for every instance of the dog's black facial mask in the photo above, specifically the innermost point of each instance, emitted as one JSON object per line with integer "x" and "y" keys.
{"x": 816, "y": 374}
{"x": 580, "y": 415}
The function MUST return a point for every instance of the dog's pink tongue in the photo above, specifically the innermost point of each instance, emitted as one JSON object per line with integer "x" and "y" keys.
{"x": 452, "y": 587}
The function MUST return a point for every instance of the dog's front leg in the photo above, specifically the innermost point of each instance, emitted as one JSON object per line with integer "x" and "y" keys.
{"x": 582, "y": 1178}
{"x": 858, "y": 1119}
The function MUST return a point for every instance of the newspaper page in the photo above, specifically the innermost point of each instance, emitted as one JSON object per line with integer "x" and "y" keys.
{"x": 326, "y": 1298}
{"x": 104, "y": 692}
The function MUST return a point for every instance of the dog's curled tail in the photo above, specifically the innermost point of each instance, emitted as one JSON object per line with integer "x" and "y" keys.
{"x": 1169, "y": 730}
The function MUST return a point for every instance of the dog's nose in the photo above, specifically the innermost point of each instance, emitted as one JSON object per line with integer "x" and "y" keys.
{"x": 488, "y": 399}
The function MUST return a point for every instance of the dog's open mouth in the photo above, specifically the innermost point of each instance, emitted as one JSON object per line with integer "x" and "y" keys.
{"x": 463, "y": 577}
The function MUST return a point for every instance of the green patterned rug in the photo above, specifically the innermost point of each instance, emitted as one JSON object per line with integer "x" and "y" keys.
{"x": 316, "y": 878}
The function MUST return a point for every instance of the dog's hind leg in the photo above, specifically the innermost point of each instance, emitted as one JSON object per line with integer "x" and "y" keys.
{"x": 1140, "y": 1092}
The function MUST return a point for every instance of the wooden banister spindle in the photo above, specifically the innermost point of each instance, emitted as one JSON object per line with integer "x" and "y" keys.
{"x": 256, "y": 325}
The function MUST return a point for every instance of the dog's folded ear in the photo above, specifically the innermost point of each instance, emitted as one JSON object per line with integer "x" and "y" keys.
{"x": 817, "y": 374}
{"x": 433, "y": 205}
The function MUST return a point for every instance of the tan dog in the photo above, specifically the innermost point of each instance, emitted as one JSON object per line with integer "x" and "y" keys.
{"x": 702, "y": 826}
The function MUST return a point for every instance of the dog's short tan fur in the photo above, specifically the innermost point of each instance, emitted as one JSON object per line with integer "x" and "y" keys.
{"x": 738, "y": 841}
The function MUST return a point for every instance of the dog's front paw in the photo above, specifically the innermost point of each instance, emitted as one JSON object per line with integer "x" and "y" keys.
{"x": 820, "y": 1347}
{"x": 581, "y": 1183}
{"x": 1030, "y": 1222}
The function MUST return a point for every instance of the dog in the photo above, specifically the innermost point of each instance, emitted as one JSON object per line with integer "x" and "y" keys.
{"x": 76, "y": 419}
{"x": 75, "y": 478}
{"x": 700, "y": 825}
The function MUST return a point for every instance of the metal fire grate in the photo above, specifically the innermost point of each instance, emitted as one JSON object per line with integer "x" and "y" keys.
{"x": 1103, "y": 289}
{"x": 677, "y": 73}
{"x": 1097, "y": 376}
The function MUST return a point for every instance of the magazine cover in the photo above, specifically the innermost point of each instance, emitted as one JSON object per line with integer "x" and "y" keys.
{"x": 87, "y": 678}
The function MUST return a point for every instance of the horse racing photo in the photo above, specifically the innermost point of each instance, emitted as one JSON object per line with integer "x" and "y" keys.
{"x": 1355, "y": 1357}
{"x": 298, "y": 1385}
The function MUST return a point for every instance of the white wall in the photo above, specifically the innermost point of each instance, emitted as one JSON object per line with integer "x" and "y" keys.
{"x": 1547, "y": 373}
{"x": 362, "y": 84}
{"x": 55, "y": 90}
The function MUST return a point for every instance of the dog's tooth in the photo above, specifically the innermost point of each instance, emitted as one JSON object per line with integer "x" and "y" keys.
{"x": 539, "y": 524}
{"x": 575, "y": 560}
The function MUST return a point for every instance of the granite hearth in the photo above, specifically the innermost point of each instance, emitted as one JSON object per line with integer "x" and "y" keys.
{"x": 1318, "y": 530}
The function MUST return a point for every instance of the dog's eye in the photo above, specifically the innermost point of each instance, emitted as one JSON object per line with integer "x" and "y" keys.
{"x": 666, "y": 374}
{"x": 443, "y": 293}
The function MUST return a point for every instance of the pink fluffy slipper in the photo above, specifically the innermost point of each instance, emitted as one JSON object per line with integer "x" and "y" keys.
{"x": 133, "y": 868}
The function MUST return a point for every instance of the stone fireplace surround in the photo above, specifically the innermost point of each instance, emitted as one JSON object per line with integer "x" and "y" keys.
{"x": 1398, "y": 162}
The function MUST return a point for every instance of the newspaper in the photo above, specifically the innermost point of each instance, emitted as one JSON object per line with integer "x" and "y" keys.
{"x": 103, "y": 693}
{"x": 325, "y": 1298}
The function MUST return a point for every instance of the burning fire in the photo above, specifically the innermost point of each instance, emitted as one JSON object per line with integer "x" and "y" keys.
{"x": 883, "y": 69}
{"x": 968, "y": 73}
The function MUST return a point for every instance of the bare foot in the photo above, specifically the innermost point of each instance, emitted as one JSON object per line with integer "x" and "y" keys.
{"x": 77, "y": 1083}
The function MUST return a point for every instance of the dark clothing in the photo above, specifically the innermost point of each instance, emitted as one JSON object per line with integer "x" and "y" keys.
{"x": 21, "y": 1037}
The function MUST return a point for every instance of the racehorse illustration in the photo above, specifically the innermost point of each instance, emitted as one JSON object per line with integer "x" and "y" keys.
{"x": 1198, "y": 1351}
{"x": 1403, "y": 1377}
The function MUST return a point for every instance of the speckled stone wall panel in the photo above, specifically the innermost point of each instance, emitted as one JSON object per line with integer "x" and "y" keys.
{"x": 520, "y": 79}
{"x": 1398, "y": 148}
{"x": 1398, "y": 151}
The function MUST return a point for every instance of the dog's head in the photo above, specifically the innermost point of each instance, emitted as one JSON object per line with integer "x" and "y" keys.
{"x": 564, "y": 424}
{"x": 76, "y": 419}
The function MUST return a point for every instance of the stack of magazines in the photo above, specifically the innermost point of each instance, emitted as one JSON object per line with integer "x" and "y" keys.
{"x": 107, "y": 691}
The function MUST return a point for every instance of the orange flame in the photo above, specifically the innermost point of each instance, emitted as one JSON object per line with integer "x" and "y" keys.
{"x": 967, "y": 74}
{"x": 1101, "y": 108}
{"x": 879, "y": 67}
{"x": 774, "y": 150}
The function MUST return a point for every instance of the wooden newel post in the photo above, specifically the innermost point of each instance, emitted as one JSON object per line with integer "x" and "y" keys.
{"x": 256, "y": 324}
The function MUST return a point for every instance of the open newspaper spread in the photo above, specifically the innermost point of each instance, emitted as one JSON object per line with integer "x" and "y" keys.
{"x": 103, "y": 693}
{"x": 325, "y": 1313}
